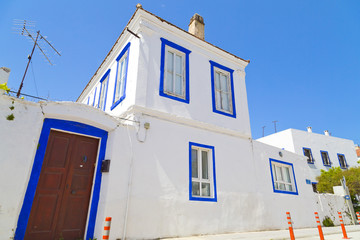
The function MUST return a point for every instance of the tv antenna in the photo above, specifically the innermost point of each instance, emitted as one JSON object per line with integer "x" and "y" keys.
{"x": 23, "y": 27}
{"x": 275, "y": 124}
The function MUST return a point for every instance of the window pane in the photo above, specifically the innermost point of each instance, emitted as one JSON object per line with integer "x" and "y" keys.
{"x": 279, "y": 174}
{"x": 225, "y": 101}
{"x": 218, "y": 100}
{"x": 194, "y": 163}
{"x": 217, "y": 81}
{"x": 195, "y": 189}
{"x": 179, "y": 85}
{"x": 287, "y": 175}
{"x": 281, "y": 186}
{"x": 276, "y": 186}
{"x": 289, "y": 188}
{"x": 179, "y": 65}
{"x": 205, "y": 189}
{"x": 169, "y": 82}
{"x": 223, "y": 83}
{"x": 204, "y": 162}
{"x": 170, "y": 62}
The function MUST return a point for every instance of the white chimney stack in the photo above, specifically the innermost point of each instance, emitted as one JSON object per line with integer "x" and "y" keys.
{"x": 4, "y": 77}
{"x": 326, "y": 132}
{"x": 309, "y": 129}
{"x": 197, "y": 26}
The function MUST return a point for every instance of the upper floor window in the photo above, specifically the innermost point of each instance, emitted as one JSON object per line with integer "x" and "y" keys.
{"x": 325, "y": 158}
{"x": 308, "y": 154}
{"x": 121, "y": 76}
{"x": 222, "y": 90}
{"x": 202, "y": 173}
{"x": 342, "y": 161}
{"x": 174, "y": 71}
{"x": 103, "y": 90}
{"x": 283, "y": 177}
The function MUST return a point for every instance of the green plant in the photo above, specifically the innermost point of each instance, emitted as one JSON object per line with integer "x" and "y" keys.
{"x": 327, "y": 222}
{"x": 10, "y": 117}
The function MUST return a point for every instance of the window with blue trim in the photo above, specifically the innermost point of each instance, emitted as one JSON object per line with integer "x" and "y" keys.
{"x": 202, "y": 172}
{"x": 121, "y": 76}
{"x": 325, "y": 158}
{"x": 342, "y": 161}
{"x": 308, "y": 154}
{"x": 103, "y": 90}
{"x": 283, "y": 177}
{"x": 94, "y": 97}
{"x": 174, "y": 71}
{"x": 222, "y": 85}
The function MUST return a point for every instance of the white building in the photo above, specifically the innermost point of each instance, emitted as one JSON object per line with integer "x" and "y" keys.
{"x": 321, "y": 150}
{"x": 169, "y": 111}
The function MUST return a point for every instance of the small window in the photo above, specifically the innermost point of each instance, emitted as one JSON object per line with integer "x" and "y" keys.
{"x": 283, "y": 177}
{"x": 308, "y": 154}
{"x": 121, "y": 76}
{"x": 342, "y": 161}
{"x": 314, "y": 186}
{"x": 94, "y": 97}
{"x": 222, "y": 89}
{"x": 325, "y": 158}
{"x": 202, "y": 173}
{"x": 174, "y": 71}
{"x": 103, "y": 90}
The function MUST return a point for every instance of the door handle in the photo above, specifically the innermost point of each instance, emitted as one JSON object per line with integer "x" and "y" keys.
{"x": 73, "y": 191}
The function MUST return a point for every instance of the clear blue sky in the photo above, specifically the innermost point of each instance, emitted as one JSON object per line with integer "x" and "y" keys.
{"x": 305, "y": 55}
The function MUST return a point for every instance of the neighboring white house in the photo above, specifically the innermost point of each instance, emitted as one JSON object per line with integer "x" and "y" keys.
{"x": 169, "y": 112}
{"x": 321, "y": 150}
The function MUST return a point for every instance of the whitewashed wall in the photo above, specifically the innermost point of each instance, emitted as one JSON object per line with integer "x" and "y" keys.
{"x": 19, "y": 138}
{"x": 329, "y": 205}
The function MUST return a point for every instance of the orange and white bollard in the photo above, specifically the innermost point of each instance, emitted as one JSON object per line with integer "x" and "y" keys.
{"x": 342, "y": 226}
{"x": 107, "y": 228}
{"x": 291, "y": 230}
{"x": 319, "y": 226}
{"x": 358, "y": 216}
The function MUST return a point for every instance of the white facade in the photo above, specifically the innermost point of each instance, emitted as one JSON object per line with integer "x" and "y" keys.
{"x": 150, "y": 191}
{"x": 296, "y": 140}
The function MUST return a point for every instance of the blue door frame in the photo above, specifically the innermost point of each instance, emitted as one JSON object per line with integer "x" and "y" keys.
{"x": 71, "y": 127}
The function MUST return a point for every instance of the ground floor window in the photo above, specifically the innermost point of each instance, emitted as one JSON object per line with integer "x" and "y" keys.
{"x": 283, "y": 177}
{"x": 202, "y": 180}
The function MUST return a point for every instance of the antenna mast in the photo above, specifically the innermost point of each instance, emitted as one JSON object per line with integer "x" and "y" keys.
{"x": 27, "y": 32}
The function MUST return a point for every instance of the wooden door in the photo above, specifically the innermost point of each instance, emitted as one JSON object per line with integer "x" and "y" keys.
{"x": 60, "y": 207}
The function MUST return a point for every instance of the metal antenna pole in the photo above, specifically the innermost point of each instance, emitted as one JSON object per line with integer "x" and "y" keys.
{"x": 275, "y": 124}
{"x": 263, "y": 127}
{"x": 22, "y": 81}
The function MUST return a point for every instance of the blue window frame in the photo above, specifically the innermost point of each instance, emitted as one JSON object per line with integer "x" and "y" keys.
{"x": 308, "y": 154}
{"x": 342, "y": 161}
{"x": 325, "y": 158}
{"x": 283, "y": 177}
{"x": 94, "y": 97}
{"x": 88, "y": 100}
{"x": 222, "y": 85}
{"x": 202, "y": 177}
{"x": 174, "y": 71}
{"x": 121, "y": 76}
{"x": 104, "y": 82}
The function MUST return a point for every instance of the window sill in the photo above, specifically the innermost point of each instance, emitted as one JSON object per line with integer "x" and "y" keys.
{"x": 204, "y": 199}
{"x": 117, "y": 103}
{"x": 286, "y": 192}
{"x": 164, "y": 94}
{"x": 225, "y": 113}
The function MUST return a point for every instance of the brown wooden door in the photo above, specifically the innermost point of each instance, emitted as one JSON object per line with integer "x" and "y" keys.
{"x": 61, "y": 201}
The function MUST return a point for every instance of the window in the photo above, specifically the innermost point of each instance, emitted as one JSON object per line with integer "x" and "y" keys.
{"x": 314, "y": 186}
{"x": 202, "y": 172}
{"x": 94, "y": 97}
{"x": 308, "y": 154}
{"x": 222, "y": 90}
{"x": 103, "y": 90}
{"x": 283, "y": 177}
{"x": 174, "y": 71}
{"x": 121, "y": 76}
{"x": 342, "y": 161}
{"x": 325, "y": 158}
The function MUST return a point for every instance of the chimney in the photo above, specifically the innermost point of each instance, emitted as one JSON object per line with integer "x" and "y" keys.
{"x": 326, "y": 132}
{"x": 309, "y": 129}
{"x": 197, "y": 26}
{"x": 4, "y": 76}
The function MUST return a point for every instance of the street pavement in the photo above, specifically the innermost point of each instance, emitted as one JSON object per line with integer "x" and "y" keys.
{"x": 330, "y": 233}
